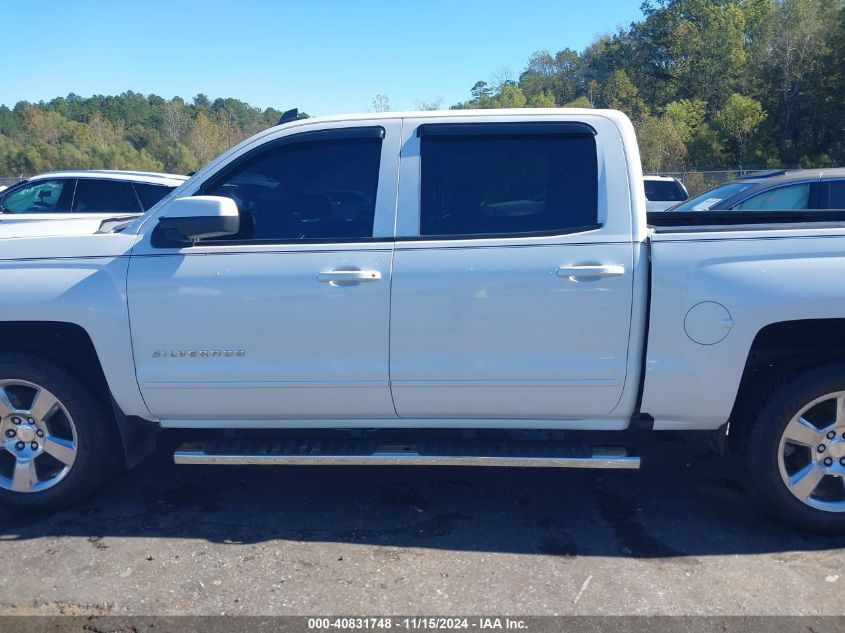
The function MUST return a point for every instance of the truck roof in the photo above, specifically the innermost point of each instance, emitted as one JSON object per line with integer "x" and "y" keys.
{"x": 793, "y": 175}
{"x": 539, "y": 113}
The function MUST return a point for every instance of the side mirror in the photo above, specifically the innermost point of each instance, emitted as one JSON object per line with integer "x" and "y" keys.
{"x": 199, "y": 217}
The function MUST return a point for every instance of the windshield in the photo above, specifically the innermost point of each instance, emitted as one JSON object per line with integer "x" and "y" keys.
{"x": 708, "y": 199}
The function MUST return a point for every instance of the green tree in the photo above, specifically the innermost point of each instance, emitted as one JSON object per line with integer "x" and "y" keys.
{"x": 542, "y": 100}
{"x": 620, "y": 93}
{"x": 204, "y": 140}
{"x": 579, "y": 102}
{"x": 801, "y": 37}
{"x": 740, "y": 118}
{"x": 43, "y": 126}
{"x": 510, "y": 97}
{"x": 698, "y": 47}
{"x": 662, "y": 144}
{"x": 104, "y": 133}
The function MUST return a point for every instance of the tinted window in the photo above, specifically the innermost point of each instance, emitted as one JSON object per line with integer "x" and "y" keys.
{"x": 41, "y": 196}
{"x": 836, "y": 195}
{"x": 105, "y": 196}
{"x": 789, "y": 197}
{"x": 664, "y": 191}
{"x": 150, "y": 194}
{"x": 708, "y": 199}
{"x": 484, "y": 185}
{"x": 321, "y": 190}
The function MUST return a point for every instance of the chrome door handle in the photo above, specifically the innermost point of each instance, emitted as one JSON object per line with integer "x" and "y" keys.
{"x": 330, "y": 276}
{"x": 594, "y": 272}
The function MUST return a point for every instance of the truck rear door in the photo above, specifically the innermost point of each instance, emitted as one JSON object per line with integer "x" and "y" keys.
{"x": 513, "y": 269}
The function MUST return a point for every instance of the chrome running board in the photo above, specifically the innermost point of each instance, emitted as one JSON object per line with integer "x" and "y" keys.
{"x": 545, "y": 454}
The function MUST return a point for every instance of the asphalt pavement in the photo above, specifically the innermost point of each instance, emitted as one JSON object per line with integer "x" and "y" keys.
{"x": 676, "y": 537}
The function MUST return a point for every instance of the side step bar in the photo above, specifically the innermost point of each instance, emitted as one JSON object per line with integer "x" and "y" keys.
{"x": 551, "y": 454}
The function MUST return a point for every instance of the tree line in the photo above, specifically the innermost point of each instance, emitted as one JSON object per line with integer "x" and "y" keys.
{"x": 709, "y": 84}
{"x": 127, "y": 131}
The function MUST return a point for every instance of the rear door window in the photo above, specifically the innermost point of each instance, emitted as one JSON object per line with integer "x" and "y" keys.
{"x": 482, "y": 184}
{"x": 41, "y": 196}
{"x": 105, "y": 196}
{"x": 836, "y": 195}
{"x": 786, "y": 198}
{"x": 150, "y": 194}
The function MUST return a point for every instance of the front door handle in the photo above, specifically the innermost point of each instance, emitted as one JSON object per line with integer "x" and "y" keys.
{"x": 339, "y": 276}
{"x": 592, "y": 271}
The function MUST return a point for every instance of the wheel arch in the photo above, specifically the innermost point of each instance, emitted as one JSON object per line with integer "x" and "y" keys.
{"x": 70, "y": 346}
{"x": 777, "y": 351}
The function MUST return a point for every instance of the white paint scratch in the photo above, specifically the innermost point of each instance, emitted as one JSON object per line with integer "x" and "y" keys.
{"x": 583, "y": 589}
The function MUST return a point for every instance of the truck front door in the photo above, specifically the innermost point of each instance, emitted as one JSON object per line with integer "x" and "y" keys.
{"x": 289, "y": 318}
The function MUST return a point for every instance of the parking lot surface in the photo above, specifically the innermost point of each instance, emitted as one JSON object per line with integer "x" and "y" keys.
{"x": 676, "y": 537}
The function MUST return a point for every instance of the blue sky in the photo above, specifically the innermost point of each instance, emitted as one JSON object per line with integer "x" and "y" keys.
{"x": 323, "y": 57}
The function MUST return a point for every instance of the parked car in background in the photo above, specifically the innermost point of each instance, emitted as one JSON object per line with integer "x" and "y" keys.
{"x": 85, "y": 193}
{"x": 662, "y": 192}
{"x": 3, "y": 188}
{"x": 779, "y": 190}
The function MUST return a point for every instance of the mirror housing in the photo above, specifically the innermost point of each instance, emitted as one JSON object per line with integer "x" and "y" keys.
{"x": 198, "y": 217}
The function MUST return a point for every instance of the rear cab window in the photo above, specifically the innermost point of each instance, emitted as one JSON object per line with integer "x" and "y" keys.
{"x": 507, "y": 179}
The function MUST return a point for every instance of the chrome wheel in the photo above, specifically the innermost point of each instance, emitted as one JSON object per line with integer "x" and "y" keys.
{"x": 38, "y": 437}
{"x": 811, "y": 455}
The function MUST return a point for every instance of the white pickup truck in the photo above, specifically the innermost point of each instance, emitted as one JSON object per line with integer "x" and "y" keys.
{"x": 425, "y": 288}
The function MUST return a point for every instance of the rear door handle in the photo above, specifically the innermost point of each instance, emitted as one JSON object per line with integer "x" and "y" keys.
{"x": 330, "y": 276}
{"x": 593, "y": 272}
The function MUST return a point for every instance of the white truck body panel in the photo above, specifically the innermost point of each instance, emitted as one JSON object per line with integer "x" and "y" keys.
{"x": 760, "y": 277}
{"x": 80, "y": 280}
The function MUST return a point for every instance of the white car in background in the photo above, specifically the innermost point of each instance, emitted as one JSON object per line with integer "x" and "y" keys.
{"x": 662, "y": 192}
{"x": 91, "y": 194}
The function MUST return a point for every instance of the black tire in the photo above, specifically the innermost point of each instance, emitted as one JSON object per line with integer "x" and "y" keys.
{"x": 99, "y": 452}
{"x": 761, "y": 446}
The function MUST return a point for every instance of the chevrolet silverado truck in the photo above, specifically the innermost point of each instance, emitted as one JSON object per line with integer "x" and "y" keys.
{"x": 469, "y": 288}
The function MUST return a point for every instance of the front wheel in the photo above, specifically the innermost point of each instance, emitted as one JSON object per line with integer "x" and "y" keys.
{"x": 59, "y": 442}
{"x": 795, "y": 450}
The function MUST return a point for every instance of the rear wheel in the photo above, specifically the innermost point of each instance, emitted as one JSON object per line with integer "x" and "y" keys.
{"x": 795, "y": 450}
{"x": 59, "y": 441}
